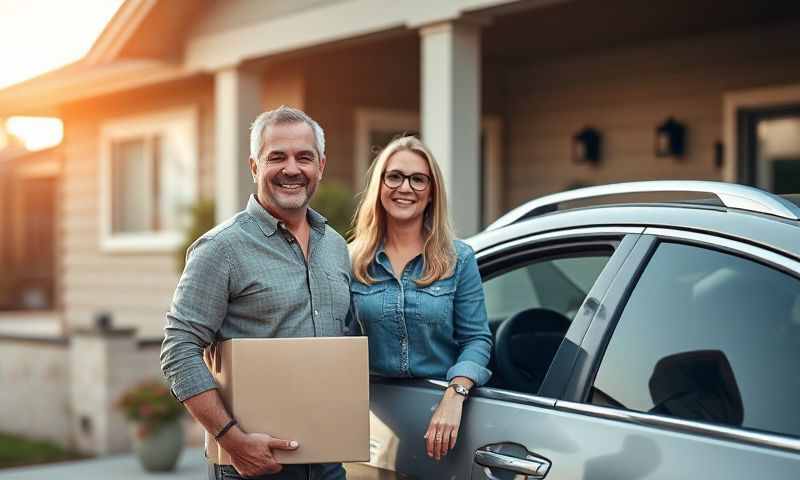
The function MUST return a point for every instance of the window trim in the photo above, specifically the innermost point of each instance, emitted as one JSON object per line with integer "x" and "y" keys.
{"x": 133, "y": 127}
{"x": 598, "y": 336}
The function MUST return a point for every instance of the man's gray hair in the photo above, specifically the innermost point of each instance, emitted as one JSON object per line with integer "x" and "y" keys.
{"x": 283, "y": 115}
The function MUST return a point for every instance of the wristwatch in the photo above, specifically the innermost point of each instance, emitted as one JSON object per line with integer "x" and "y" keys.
{"x": 460, "y": 389}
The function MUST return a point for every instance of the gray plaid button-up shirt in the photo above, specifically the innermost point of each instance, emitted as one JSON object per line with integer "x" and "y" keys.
{"x": 248, "y": 277}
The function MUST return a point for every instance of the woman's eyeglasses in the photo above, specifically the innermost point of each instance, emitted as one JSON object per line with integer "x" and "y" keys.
{"x": 418, "y": 182}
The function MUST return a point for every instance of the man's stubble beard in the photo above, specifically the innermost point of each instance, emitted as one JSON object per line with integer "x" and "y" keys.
{"x": 295, "y": 202}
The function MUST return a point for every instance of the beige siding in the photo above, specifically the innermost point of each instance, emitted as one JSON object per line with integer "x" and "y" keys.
{"x": 232, "y": 14}
{"x": 625, "y": 93}
{"x": 332, "y": 83}
{"x": 135, "y": 288}
{"x": 384, "y": 75}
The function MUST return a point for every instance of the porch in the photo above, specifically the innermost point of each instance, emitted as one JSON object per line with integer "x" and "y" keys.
{"x": 501, "y": 94}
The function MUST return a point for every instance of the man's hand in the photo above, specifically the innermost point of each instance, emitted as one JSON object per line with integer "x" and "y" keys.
{"x": 251, "y": 453}
{"x": 443, "y": 428}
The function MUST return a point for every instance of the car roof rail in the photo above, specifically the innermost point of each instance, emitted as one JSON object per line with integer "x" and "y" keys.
{"x": 731, "y": 195}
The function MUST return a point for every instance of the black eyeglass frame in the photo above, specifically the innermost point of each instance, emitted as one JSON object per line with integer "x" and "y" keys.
{"x": 407, "y": 177}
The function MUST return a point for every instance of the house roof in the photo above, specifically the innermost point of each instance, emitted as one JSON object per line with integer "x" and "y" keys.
{"x": 14, "y": 152}
{"x": 141, "y": 45}
{"x": 43, "y": 94}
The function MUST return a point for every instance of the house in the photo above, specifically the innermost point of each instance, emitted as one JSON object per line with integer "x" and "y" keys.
{"x": 156, "y": 114}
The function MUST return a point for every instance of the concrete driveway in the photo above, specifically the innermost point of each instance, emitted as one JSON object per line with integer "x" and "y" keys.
{"x": 126, "y": 467}
{"x": 119, "y": 467}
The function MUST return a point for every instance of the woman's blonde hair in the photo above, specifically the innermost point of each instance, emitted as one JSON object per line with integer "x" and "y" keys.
{"x": 369, "y": 221}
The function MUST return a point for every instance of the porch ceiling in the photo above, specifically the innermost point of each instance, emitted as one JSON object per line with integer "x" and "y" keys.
{"x": 584, "y": 25}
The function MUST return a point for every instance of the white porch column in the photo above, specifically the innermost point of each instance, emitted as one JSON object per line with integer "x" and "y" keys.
{"x": 451, "y": 113}
{"x": 237, "y": 102}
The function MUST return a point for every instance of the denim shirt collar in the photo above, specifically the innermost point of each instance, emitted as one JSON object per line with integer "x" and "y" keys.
{"x": 269, "y": 224}
{"x": 382, "y": 259}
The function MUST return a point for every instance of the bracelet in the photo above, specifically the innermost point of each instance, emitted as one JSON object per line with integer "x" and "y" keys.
{"x": 225, "y": 429}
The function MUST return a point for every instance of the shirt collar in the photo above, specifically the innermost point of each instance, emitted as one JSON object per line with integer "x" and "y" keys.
{"x": 269, "y": 224}
{"x": 381, "y": 258}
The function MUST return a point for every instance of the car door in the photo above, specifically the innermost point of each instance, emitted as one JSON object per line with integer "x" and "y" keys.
{"x": 692, "y": 370}
{"x": 541, "y": 293}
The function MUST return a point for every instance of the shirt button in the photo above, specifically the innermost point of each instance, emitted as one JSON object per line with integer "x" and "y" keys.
{"x": 316, "y": 313}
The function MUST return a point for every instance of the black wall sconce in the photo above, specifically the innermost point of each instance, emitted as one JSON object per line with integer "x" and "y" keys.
{"x": 670, "y": 139}
{"x": 586, "y": 146}
{"x": 719, "y": 154}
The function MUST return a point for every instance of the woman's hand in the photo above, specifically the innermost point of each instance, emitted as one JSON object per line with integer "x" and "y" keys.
{"x": 443, "y": 428}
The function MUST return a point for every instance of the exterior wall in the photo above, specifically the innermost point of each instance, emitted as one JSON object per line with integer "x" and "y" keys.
{"x": 5, "y": 232}
{"x": 35, "y": 378}
{"x": 136, "y": 288}
{"x": 382, "y": 75}
{"x": 64, "y": 390}
{"x": 625, "y": 93}
{"x": 103, "y": 366}
{"x": 241, "y": 13}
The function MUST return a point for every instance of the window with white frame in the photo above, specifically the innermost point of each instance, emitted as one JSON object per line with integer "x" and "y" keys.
{"x": 148, "y": 179}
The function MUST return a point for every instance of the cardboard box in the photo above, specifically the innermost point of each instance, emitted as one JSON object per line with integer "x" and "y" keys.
{"x": 313, "y": 390}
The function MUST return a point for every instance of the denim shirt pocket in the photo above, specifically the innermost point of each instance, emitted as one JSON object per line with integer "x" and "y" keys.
{"x": 435, "y": 302}
{"x": 369, "y": 301}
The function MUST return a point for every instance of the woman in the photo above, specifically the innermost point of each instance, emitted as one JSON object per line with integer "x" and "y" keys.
{"x": 416, "y": 290}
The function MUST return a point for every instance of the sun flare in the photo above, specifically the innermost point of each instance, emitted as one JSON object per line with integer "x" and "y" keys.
{"x": 40, "y": 35}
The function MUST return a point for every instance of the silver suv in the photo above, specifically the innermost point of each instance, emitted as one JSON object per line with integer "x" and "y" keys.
{"x": 634, "y": 339}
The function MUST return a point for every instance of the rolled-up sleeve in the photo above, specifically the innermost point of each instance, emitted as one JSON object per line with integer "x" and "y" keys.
{"x": 471, "y": 325}
{"x": 198, "y": 308}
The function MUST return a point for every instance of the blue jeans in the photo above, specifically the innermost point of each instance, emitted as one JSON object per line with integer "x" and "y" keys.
{"x": 323, "y": 471}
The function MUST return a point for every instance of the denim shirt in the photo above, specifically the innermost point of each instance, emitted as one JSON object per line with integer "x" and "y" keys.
{"x": 440, "y": 331}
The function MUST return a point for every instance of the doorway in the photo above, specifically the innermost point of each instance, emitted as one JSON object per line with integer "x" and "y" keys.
{"x": 769, "y": 147}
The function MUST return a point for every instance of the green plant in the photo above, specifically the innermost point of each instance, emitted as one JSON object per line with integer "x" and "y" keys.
{"x": 17, "y": 451}
{"x": 335, "y": 201}
{"x": 202, "y": 220}
{"x": 150, "y": 404}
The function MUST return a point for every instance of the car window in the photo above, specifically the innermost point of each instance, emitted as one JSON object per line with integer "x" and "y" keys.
{"x": 707, "y": 336}
{"x": 560, "y": 284}
{"x": 530, "y": 307}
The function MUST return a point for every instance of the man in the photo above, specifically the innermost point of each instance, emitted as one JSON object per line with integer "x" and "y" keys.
{"x": 273, "y": 270}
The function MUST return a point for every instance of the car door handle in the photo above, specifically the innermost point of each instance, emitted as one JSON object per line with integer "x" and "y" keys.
{"x": 533, "y": 466}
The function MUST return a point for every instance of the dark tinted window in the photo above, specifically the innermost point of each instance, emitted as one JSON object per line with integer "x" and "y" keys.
{"x": 708, "y": 336}
{"x": 530, "y": 308}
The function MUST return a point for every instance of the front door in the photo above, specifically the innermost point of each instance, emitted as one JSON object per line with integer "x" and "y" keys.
{"x": 769, "y": 149}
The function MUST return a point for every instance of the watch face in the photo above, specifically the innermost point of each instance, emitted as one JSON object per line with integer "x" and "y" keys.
{"x": 461, "y": 390}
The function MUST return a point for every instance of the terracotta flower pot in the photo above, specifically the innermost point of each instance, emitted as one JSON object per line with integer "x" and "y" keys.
{"x": 158, "y": 449}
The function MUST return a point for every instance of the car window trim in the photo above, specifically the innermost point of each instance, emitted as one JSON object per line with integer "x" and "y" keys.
{"x": 761, "y": 439}
{"x": 556, "y": 235}
{"x": 603, "y": 321}
{"x": 735, "y": 247}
